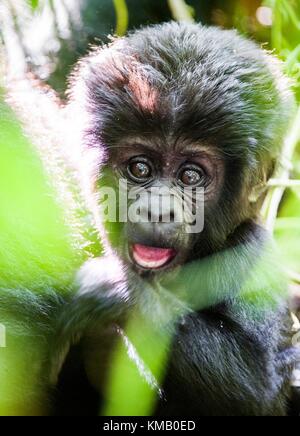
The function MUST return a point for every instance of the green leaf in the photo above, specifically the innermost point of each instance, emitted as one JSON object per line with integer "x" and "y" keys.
{"x": 122, "y": 17}
{"x": 287, "y": 235}
{"x": 34, "y": 4}
{"x": 35, "y": 243}
{"x": 181, "y": 11}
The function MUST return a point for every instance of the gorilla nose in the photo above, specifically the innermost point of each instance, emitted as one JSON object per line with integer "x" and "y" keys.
{"x": 160, "y": 234}
{"x": 156, "y": 224}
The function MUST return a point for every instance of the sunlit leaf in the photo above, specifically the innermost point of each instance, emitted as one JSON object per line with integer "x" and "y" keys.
{"x": 122, "y": 17}
{"x": 34, "y": 3}
{"x": 137, "y": 370}
{"x": 181, "y": 11}
{"x": 35, "y": 242}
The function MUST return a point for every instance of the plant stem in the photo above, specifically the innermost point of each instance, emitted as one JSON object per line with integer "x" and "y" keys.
{"x": 275, "y": 183}
{"x": 181, "y": 11}
{"x": 122, "y": 17}
{"x": 275, "y": 195}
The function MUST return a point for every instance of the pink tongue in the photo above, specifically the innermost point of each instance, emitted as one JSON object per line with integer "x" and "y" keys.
{"x": 152, "y": 257}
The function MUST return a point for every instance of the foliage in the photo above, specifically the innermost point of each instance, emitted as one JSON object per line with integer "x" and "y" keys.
{"x": 285, "y": 37}
{"x": 34, "y": 3}
{"x": 121, "y": 17}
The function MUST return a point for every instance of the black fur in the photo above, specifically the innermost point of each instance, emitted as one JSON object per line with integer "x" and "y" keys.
{"x": 226, "y": 307}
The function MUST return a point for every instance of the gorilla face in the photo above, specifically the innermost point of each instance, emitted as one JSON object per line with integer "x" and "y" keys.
{"x": 164, "y": 213}
{"x": 180, "y": 107}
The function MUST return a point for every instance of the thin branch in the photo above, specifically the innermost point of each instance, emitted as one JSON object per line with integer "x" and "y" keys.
{"x": 275, "y": 183}
{"x": 181, "y": 11}
{"x": 122, "y": 17}
{"x": 275, "y": 195}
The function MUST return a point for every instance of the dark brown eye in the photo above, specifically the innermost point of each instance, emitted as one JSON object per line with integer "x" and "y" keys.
{"x": 140, "y": 171}
{"x": 192, "y": 176}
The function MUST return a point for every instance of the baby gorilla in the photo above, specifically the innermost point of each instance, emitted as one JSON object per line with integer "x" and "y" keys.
{"x": 182, "y": 106}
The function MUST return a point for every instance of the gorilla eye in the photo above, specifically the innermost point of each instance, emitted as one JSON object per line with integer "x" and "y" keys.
{"x": 192, "y": 176}
{"x": 139, "y": 170}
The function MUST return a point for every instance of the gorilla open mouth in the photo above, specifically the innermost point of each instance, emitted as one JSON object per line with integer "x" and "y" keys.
{"x": 152, "y": 257}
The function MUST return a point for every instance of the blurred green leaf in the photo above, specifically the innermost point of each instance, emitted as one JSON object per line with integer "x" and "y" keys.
{"x": 290, "y": 207}
{"x": 36, "y": 258}
{"x": 34, "y": 3}
{"x": 36, "y": 245}
{"x": 122, "y": 17}
{"x": 137, "y": 369}
{"x": 181, "y": 11}
{"x": 287, "y": 234}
